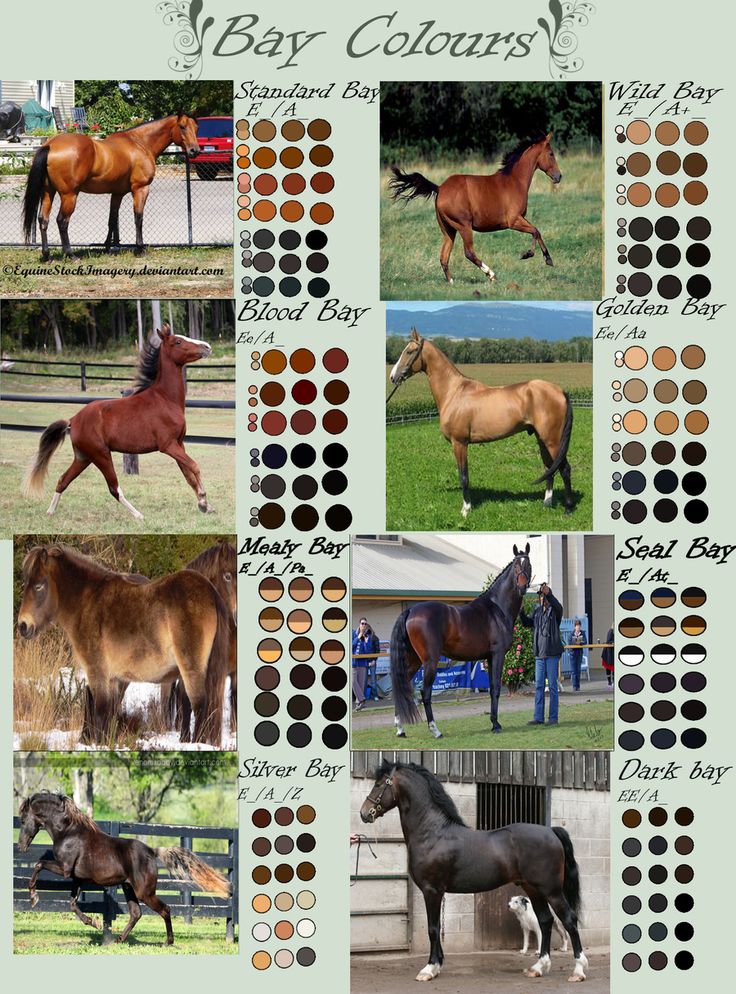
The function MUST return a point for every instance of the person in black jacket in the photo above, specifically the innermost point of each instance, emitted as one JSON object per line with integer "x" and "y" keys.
{"x": 547, "y": 651}
{"x": 365, "y": 643}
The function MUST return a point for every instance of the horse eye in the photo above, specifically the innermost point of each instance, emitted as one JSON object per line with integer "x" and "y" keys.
{"x": 227, "y": 577}
{"x": 38, "y": 586}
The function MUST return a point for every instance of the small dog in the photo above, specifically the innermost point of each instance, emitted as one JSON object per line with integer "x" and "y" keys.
{"x": 522, "y": 908}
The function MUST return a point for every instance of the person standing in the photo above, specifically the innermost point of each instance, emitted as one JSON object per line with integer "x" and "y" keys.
{"x": 548, "y": 648}
{"x": 576, "y": 655}
{"x": 607, "y": 658}
{"x": 365, "y": 643}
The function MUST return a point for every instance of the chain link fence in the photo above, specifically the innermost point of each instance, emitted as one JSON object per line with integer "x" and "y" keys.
{"x": 188, "y": 204}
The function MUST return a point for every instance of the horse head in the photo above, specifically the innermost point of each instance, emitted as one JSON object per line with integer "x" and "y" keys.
{"x": 383, "y": 795}
{"x": 410, "y": 361}
{"x": 35, "y": 813}
{"x": 522, "y": 569}
{"x": 40, "y": 599}
{"x": 547, "y": 161}
{"x": 184, "y": 134}
{"x": 229, "y": 577}
{"x": 180, "y": 349}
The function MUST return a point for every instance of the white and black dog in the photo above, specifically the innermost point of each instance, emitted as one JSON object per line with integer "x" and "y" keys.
{"x": 522, "y": 908}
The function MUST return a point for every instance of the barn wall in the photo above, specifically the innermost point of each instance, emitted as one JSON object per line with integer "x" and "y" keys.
{"x": 584, "y": 813}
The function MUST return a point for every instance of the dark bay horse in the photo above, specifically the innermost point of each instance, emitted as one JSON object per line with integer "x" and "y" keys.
{"x": 482, "y": 629}
{"x": 123, "y": 630}
{"x": 84, "y": 854}
{"x": 124, "y": 162}
{"x": 151, "y": 419}
{"x": 470, "y": 413}
{"x": 484, "y": 203}
{"x": 447, "y": 857}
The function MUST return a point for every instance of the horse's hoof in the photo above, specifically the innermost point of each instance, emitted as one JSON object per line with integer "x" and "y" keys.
{"x": 548, "y": 503}
{"x": 548, "y": 260}
{"x": 532, "y": 973}
{"x": 34, "y": 900}
{"x": 576, "y": 978}
{"x": 527, "y": 255}
{"x": 401, "y": 735}
{"x": 95, "y": 923}
{"x": 45, "y": 257}
{"x": 568, "y": 510}
{"x": 169, "y": 942}
{"x": 496, "y": 729}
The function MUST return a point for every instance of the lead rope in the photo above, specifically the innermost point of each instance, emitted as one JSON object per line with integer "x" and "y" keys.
{"x": 393, "y": 391}
{"x": 361, "y": 840}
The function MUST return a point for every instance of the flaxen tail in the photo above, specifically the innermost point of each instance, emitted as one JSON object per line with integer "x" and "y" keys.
{"x": 406, "y": 709}
{"x": 184, "y": 865}
{"x": 218, "y": 668}
{"x": 407, "y": 186}
{"x": 34, "y": 189}
{"x": 51, "y": 439}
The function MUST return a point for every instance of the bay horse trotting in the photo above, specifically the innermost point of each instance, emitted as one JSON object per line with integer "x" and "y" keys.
{"x": 151, "y": 419}
{"x": 447, "y": 857}
{"x": 482, "y": 629}
{"x": 466, "y": 204}
{"x": 124, "y": 162}
{"x": 124, "y": 629}
{"x": 83, "y": 854}
{"x": 471, "y": 412}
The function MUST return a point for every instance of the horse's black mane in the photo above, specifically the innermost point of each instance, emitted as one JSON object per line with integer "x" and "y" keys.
{"x": 437, "y": 793}
{"x": 511, "y": 158}
{"x": 147, "y": 367}
{"x": 488, "y": 592}
{"x": 209, "y": 560}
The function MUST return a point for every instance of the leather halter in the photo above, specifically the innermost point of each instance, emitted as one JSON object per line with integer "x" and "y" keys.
{"x": 377, "y": 807}
{"x": 405, "y": 376}
{"x": 520, "y": 572}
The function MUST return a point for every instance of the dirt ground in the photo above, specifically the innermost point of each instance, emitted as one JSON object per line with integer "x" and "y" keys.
{"x": 476, "y": 973}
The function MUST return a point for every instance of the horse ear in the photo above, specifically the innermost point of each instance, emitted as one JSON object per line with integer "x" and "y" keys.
{"x": 516, "y": 551}
{"x": 548, "y": 139}
{"x": 528, "y": 547}
{"x": 414, "y": 335}
{"x": 165, "y": 330}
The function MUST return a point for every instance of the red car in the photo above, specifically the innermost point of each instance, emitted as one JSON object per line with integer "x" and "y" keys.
{"x": 215, "y": 137}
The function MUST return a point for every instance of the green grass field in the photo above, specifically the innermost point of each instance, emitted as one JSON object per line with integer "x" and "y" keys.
{"x": 569, "y": 217}
{"x": 141, "y": 280}
{"x": 49, "y": 933}
{"x": 160, "y": 492}
{"x": 423, "y": 491}
{"x": 583, "y": 725}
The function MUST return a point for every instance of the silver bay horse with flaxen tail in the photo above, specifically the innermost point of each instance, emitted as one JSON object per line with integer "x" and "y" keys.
{"x": 471, "y": 412}
{"x": 464, "y": 204}
{"x": 125, "y": 630}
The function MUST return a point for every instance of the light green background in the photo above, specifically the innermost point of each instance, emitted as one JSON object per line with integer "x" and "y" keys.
{"x": 623, "y": 40}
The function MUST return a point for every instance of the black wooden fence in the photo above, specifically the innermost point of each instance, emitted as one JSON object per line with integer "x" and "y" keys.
{"x": 183, "y": 898}
{"x": 584, "y": 770}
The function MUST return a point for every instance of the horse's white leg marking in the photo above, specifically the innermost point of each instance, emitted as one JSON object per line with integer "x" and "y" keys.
{"x": 548, "y": 493}
{"x": 466, "y": 508}
{"x": 541, "y": 967}
{"x": 400, "y": 733}
{"x": 54, "y": 503}
{"x": 429, "y": 972}
{"x": 581, "y": 965}
{"x": 435, "y": 730}
{"x": 126, "y": 503}
{"x": 488, "y": 271}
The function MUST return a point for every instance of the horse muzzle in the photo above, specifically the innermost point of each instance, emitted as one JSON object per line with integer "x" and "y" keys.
{"x": 368, "y": 817}
{"x": 206, "y": 351}
{"x": 556, "y": 177}
{"x": 26, "y": 630}
{"x": 193, "y": 151}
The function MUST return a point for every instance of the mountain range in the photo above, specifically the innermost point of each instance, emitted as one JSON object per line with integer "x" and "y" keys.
{"x": 495, "y": 320}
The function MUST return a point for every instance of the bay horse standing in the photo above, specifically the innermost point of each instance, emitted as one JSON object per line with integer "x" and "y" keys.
{"x": 471, "y": 412}
{"x": 482, "y": 629}
{"x": 124, "y": 162}
{"x": 84, "y": 854}
{"x": 123, "y": 630}
{"x": 466, "y": 204}
{"x": 151, "y": 419}
{"x": 447, "y": 857}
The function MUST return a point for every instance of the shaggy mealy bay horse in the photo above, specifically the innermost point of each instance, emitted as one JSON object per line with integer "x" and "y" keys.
{"x": 466, "y": 204}
{"x": 471, "y": 412}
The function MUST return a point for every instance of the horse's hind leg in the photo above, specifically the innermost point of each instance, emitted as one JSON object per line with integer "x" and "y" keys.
{"x": 113, "y": 226}
{"x": 547, "y": 460}
{"x": 68, "y": 203}
{"x": 139, "y": 202}
{"x": 544, "y": 917}
{"x": 521, "y": 224}
{"x": 44, "y": 212}
{"x": 565, "y": 473}
{"x": 135, "y": 911}
{"x": 496, "y": 669}
{"x": 84, "y": 919}
{"x": 103, "y": 461}
{"x": 570, "y": 922}
{"x": 430, "y": 671}
{"x": 448, "y": 241}
{"x": 466, "y": 233}
{"x": 78, "y": 466}
{"x": 157, "y": 905}
{"x": 460, "y": 449}
{"x": 433, "y": 904}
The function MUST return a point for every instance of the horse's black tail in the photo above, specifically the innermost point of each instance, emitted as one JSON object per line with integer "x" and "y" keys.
{"x": 184, "y": 865}
{"x": 564, "y": 445}
{"x": 218, "y": 668}
{"x": 571, "y": 881}
{"x": 51, "y": 439}
{"x": 34, "y": 189}
{"x": 407, "y": 186}
{"x": 406, "y": 709}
